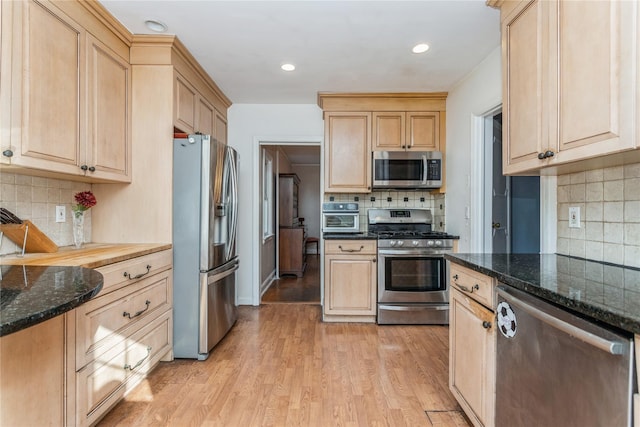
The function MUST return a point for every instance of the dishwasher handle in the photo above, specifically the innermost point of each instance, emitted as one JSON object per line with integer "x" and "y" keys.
{"x": 604, "y": 344}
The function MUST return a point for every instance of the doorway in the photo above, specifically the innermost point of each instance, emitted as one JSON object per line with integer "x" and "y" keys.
{"x": 283, "y": 249}
{"x": 511, "y": 221}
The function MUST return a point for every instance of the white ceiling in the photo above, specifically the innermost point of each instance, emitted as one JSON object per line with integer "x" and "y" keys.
{"x": 337, "y": 46}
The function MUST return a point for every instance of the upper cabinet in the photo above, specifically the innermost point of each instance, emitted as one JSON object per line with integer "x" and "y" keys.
{"x": 65, "y": 94}
{"x": 568, "y": 85}
{"x": 403, "y": 131}
{"x": 356, "y": 124}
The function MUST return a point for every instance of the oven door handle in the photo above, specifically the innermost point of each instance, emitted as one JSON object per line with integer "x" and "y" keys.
{"x": 417, "y": 252}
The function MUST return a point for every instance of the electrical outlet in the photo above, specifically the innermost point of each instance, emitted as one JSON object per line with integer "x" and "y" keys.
{"x": 574, "y": 217}
{"x": 61, "y": 214}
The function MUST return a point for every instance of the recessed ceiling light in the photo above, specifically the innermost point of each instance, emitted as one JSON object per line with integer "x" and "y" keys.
{"x": 288, "y": 67}
{"x": 157, "y": 26}
{"x": 420, "y": 48}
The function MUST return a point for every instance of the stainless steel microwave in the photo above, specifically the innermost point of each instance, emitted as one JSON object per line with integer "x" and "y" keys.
{"x": 407, "y": 169}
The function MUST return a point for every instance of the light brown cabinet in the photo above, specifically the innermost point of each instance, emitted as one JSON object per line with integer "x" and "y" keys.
{"x": 65, "y": 95}
{"x": 350, "y": 280}
{"x": 120, "y": 335}
{"x": 567, "y": 70}
{"x": 472, "y": 344}
{"x": 288, "y": 197}
{"x": 402, "y": 131}
{"x": 356, "y": 124}
{"x": 291, "y": 255}
{"x": 193, "y": 113}
{"x": 347, "y": 148}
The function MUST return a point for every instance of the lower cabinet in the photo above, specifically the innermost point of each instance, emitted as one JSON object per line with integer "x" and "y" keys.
{"x": 472, "y": 345}
{"x": 118, "y": 337}
{"x": 350, "y": 280}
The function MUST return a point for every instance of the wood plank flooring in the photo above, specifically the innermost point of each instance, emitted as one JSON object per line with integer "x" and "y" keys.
{"x": 291, "y": 289}
{"x": 281, "y": 366}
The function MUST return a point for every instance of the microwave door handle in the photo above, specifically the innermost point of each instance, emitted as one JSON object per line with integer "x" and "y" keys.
{"x": 425, "y": 169}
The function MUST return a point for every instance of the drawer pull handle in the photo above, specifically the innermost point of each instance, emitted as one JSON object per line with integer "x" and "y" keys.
{"x": 455, "y": 277}
{"x": 125, "y": 314}
{"x": 467, "y": 290}
{"x": 140, "y": 362}
{"x": 351, "y": 250}
{"x": 486, "y": 325}
{"x": 137, "y": 276}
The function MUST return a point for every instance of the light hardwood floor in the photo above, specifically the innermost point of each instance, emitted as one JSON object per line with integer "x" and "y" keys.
{"x": 292, "y": 289}
{"x": 281, "y": 366}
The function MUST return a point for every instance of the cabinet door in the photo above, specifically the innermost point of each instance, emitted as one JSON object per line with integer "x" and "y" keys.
{"x": 388, "y": 131}
{"x": 523, "y": 78}
{"x": 185, "y": 105}
{"x": 423, "y": 131}
{"x": 350, "y": 285}
{"x": 220, "y": 127}
{"x": 472, "y": 358}
{"x": 206, "y": 117}
{"x": 593, "y": 44}
{"x": 347, "y": 152}
{"x": 46, "y": 87}
{"x": 108, "y": 146}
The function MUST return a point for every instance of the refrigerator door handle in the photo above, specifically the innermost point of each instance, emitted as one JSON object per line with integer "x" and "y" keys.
{"x": 219, "y": 276}
{"x": 234, "y": 205}
{"x": 613, "y": 347}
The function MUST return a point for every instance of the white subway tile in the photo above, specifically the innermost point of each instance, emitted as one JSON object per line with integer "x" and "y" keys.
{"x": 613, "y": 253}
{"x": 594, "y": 250}
{"x": 632, "y": 211}
{"x": 564, "y": 179}
{"x": 613, "y": 232}
{"x": 563, "y": 229}
{"x": 39, "y": 182}
{"x": 24, "y": 180}
{"x": 7, "y": 178}
{"x": 613, "y": 211}
{"x": 562, "y": 246}
{"x": 632, "y": 171}
{"x": 578, "y": 178}
{"x": 632, "y": 234}
{"x": 593, "y": 231}
{"x": 613, "y": 173}
{"x": 632, "y": 256}
{"x": 577, "y": 193}
{"x": 577, "y": 233}
{"x": 594, "y": 192}
{"x": 563, "y": 194}
{"x": 594, "y": 175}
{"x": 593, "y": 211}
{"x": 8, "y": 192}
{"x": 632, "y": 189}
{"x": 577, "y": 248}
{"x": 614, "y": 190}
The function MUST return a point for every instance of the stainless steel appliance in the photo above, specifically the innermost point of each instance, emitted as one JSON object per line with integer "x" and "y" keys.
{"x": 413, "y": 283}
{"x": 555, "y": 369}
{"x": 407, "y": 169}
{"x": 205, "y": 218}
{"x": 340, "y": 218}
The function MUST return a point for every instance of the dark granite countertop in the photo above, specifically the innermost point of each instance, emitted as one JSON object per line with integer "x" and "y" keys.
{"x": 32, "y": 294}
{"x": 604, "y": 292}
{"x": 349, "y": 236}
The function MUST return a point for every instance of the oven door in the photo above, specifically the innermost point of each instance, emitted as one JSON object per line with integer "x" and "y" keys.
{"x": 412, "y": 276}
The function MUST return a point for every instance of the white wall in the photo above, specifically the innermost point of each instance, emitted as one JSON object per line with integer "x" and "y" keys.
{"x": 310, "y": 195}
{"x": 248, "y": 125}
{"x": 475, "y": 95}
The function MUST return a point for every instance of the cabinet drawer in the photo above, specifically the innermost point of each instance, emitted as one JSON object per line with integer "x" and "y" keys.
{"x": 473, "y": 284}
{"x": 108, "y": 378}
{"x": 123, "y": 273}
{"x": 105, "y": 321}
{"x": 345, "y": 247}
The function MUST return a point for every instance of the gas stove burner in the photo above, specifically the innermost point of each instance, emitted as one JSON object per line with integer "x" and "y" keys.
{"x": 411, "y": 234}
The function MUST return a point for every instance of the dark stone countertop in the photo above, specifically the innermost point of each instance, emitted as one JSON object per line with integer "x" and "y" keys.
{"x": 349, "y": 236}
{"x": 604, "y": 292}
{"x": 32, "y": 294}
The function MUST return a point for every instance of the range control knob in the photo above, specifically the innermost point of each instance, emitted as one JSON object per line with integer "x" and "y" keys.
{"x": 438, "y": 242}
{"x": 430, "y": 243}
{"x": 392, "y": 243}
{"x": 400, "y": 243}
{"x": 415, "y": 243}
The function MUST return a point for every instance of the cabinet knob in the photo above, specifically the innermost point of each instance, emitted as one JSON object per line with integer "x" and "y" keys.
{"x": 374, "y": 260}
{"x": 84, "y": 167}
{"x": 541, "y": 156}
{"x": 7, "y": 153}
{"x": 548, "y": 153}
{"x": 455, "y": 277}
{"x": 92, "y": 169}
{"x": 486, "y": 325}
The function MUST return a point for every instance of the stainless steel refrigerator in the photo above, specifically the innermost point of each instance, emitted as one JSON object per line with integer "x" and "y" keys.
{"x": 205, "y": 219}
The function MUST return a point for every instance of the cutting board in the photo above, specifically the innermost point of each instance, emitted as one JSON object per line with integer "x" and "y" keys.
{"x": 37, "y": 241}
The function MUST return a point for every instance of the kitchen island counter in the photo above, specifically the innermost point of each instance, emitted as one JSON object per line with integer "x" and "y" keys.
{"x": 604, "y": 292}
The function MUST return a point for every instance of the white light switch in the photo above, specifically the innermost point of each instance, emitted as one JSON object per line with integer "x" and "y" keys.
{"x": 61, "y": 214}
{"x": 574, "y": 217}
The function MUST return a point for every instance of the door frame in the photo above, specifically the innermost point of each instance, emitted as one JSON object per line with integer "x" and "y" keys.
{"x": 478, "y": 192}
{"x": 258, "y": 143}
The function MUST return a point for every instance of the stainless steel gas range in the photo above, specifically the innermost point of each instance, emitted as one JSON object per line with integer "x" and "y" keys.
{"x": 413, "y": 283}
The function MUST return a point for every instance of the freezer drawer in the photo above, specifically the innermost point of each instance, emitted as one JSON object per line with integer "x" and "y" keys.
{"x": 218, "y": 311}
{"x": 558, "y": 369}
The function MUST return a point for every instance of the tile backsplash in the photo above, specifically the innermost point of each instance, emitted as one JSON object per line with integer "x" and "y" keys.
{"x": 609, "y": 202}
{"x": 395, "y": 199}
{"x": 35, "y": 199}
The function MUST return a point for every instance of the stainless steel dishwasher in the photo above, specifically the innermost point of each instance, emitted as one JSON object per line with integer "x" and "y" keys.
{"x": 557, "y": 369}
